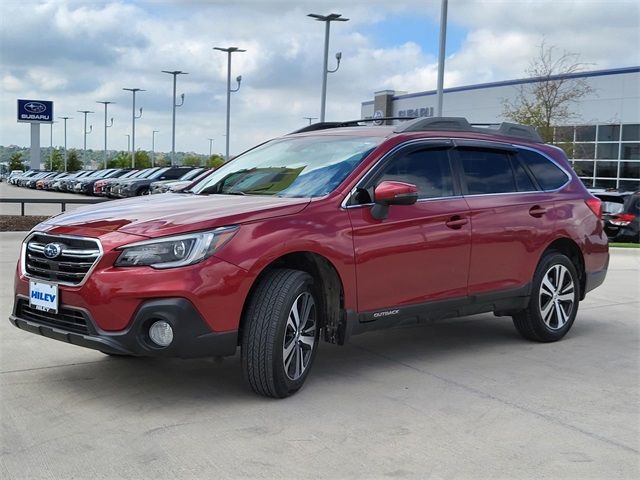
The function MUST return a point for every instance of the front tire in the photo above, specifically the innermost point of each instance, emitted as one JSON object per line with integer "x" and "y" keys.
{"x": 280, "y": 334}
{"x": 554, "y": 300}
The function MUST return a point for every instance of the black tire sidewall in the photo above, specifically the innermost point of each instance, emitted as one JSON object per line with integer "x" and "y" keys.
{"x": 541, "y": 328}
{"x": 282, "y": 382}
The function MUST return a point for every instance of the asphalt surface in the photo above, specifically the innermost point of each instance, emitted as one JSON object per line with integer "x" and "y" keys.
{"x": 11, "y": 191}
{"x": 457, "y": 399}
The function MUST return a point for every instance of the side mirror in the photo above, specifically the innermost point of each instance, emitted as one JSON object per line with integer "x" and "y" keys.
{"x": 392, "y": 193}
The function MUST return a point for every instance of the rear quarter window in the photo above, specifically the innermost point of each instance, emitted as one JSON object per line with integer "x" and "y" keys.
{"x": 547, "y": 173}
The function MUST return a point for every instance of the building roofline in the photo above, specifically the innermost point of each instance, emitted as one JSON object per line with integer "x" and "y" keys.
{"x": 520, "y": 81}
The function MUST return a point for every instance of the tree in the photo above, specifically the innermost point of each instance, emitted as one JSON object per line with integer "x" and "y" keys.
{"x": 16, "y": 162}
{"x": 73, "y": 161}
{"x": 120, "y": 160}
{"x": 215, "y": 161}
{"x": 192, "y": 161}
{"x": 143, "y": 160}
{"x": 56, "y": 160}
{"x": 549, "y": 102}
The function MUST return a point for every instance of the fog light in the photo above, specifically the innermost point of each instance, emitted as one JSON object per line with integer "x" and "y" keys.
{"x": 161, "y": 333}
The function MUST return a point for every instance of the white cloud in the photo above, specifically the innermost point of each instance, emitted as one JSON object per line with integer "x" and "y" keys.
{"x": 87, "y": 51}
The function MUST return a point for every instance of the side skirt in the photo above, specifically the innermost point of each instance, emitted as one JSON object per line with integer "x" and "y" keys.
{"x": 502, "y": 303}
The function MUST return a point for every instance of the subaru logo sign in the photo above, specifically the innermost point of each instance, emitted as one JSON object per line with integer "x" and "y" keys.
{"x": 378, "y": 114}
{"x": 35, "y": 107}
{"x": 52, "y": 250}
{"x": 35, "y": 111}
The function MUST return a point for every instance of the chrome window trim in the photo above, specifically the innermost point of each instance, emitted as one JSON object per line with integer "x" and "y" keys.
{"x": 562, "y": 169}
{"x": 425, "y": 141}
{"x": 23, "y": 257}
{"x": 344, "y": 205}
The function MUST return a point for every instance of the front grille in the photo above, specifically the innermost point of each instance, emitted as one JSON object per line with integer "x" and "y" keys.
{"x": 70, "y": 266}
{"x": 67, "y": 319}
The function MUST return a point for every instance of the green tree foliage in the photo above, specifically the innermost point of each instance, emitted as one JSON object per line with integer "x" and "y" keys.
{"x": 55, "y": 160}
{"x": 192, "y": 161}
{"x": 215, "y": 161}
{"x": 16, "y": 162}
{"x": 143, "y": 160}
{"x": 73, "y": 161}
{"x": 549, "y": 102}
{"x": 120, "y": 160}
{"x": 123, "y": 160}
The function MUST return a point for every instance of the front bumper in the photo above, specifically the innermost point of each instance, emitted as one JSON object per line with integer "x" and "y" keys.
{"x": 192, "y": 337}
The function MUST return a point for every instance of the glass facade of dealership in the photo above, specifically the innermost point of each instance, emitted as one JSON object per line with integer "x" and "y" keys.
{"x": 603, "y": 156}
{"x": 603, "y": 143}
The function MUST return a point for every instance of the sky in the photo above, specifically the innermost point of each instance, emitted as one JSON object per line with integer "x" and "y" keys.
{"x": 79, "y": 52}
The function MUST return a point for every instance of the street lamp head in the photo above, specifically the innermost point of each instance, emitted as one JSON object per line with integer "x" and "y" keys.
{"x": 105, "y": 102}
{"x": 332, "y": 17}
{"x": 134, "y": 89}
{"x": 339, "y": 56}
{"x": 175, "y": 72}
{"x": 239, "y": 78}
{"x": 229, "y": 49}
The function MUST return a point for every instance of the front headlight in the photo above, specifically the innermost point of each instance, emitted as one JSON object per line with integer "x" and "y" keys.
{"x": 178, "y": 251}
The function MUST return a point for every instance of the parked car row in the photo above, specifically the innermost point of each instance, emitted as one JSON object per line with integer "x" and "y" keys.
{"x": 111, "y": 182}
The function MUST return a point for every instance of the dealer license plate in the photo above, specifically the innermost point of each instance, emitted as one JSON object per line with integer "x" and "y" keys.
{"x": 43, "y": 296}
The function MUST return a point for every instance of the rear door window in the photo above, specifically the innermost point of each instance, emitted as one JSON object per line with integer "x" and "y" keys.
{"x": 486, "y": 171}
{"x": 547, "y": 173}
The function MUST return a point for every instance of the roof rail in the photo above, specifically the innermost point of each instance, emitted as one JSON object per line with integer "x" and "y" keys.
{"x": 349, "y": 123}
{"x": 461, "y": 124}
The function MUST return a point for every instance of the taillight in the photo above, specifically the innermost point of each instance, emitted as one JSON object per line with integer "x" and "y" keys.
{"x": 622, "y": 219}
{"x": 595, "y": 205}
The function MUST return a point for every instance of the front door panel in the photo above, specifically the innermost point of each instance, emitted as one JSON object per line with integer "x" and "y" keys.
{"x": 412, "y": 256}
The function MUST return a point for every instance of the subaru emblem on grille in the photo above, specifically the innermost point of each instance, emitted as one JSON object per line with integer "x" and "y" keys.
{"x": 52, "y": 250}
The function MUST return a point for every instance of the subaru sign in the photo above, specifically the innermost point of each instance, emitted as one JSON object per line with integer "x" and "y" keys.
{"x": 35, "y": 111}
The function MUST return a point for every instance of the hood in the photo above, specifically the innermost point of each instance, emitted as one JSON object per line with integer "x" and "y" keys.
{"x": 170, "y": 214}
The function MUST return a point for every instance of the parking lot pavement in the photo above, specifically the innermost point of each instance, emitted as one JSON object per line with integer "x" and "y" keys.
{"x": 11, "y": 191}
{"x": 463, "y": 398}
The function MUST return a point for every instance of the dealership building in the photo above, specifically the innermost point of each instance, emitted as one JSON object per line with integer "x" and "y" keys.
{"x": 603, "y": 141}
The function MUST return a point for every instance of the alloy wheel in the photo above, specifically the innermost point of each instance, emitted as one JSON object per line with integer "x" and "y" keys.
{"x": 300, "y": 336}
{"x": 557, "y": 297}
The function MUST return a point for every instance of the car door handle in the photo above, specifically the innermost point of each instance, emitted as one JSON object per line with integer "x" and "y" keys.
{"x": 456, "y": 222}
{"x": 537, "y": 211}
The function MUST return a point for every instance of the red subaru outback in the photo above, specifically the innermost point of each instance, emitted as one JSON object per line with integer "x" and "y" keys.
{"x": 332, "y": 231}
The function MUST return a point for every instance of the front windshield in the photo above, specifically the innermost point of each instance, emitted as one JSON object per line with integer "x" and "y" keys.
{"x": 290, "y": 167}
{"x": 157, "y": 173}
{"x": 191, "y": 174}
{"x": 146, "y": 173}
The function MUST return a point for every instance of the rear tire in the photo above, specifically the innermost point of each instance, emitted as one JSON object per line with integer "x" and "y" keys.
{"x": 280, "y": 333}
{"x": 554, "y": 300}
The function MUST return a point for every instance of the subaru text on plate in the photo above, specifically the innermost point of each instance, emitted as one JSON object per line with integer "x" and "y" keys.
{"x": 332, "y": 231}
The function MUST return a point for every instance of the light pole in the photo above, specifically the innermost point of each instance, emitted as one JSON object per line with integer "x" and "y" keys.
{"x": 175, "y": 73}
{"x": 105, "y": 130}
{"x": 210, "y": 147}
{"x": 128, "y": 142}
{"x": 310, "y": 119}
{"x": 153, "y": 148}
{"x": 51, "y": 145}
{"x": 65, "y": 140}
{"x": 133, "y": 123}
{"x": 441, "y": 53}
{"x": 85, "y": 133}
{"x": 229, "y": 51}
{"x": 332, "y": 17}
